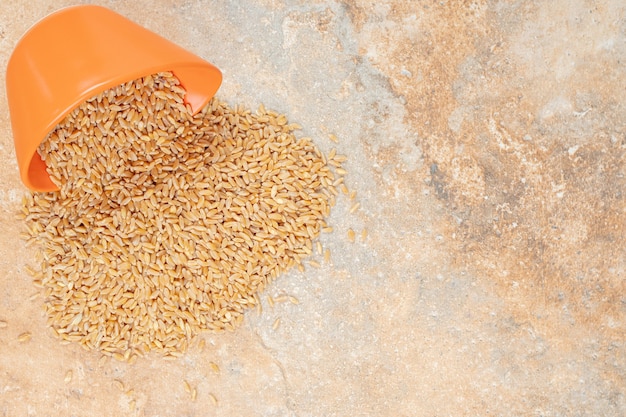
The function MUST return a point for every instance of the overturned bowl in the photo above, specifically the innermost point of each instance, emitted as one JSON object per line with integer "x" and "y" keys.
{"x": 75, "y": 54}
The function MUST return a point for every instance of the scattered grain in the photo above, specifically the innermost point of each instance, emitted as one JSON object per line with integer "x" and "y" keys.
{"x": 333, "y": 138}
{"x": 187, "y": 386}
{"x": 355, "y": 207}
{"x": 270, "y": 301}
{"x": 214, "y": 367}
{"x": 363, "y": 235}
{"x": 352, "y": 194}
{"x": 68, "y": 376}
{"x": 293, "y": 300}
{"x": 3, "y": 324}
{"x": 327, "y": 256}
{"x": 194, "y": 394}
{"x": 213, "y": 399}
{"x": 314, "y": 264}
{"x": 351, "y": 235}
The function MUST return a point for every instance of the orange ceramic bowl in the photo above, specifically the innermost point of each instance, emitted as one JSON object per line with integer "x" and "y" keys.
{"x": 73, "y": 55}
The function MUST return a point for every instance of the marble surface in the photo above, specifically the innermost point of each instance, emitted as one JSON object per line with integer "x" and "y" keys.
{"x": 486, "y": 141}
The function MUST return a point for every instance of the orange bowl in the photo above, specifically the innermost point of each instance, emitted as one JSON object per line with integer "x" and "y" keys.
{"x": 75, "y": 54}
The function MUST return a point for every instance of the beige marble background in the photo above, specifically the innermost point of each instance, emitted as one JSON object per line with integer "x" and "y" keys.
{"x": 487, "y": 142}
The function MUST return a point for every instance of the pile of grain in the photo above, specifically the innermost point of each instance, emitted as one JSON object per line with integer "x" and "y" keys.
{"x": 166, "y": 223}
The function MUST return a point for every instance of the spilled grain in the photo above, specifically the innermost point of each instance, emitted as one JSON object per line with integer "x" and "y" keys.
{"x": 169, "y": 221}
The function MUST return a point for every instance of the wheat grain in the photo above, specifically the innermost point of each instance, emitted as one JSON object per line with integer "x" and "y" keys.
{"x": 276, "y": 324}
{"x": 24, "y": 337}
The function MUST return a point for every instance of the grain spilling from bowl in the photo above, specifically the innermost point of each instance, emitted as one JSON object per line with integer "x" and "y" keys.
{"x": 167, "y": 224}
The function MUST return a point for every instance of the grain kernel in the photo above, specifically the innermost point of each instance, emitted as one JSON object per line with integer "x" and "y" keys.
{"x": 276, "y": 324}
{"x": 24, "y": 337}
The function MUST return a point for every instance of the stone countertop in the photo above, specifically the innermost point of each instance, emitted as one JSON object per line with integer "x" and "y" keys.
{"x": 486, "y": 142}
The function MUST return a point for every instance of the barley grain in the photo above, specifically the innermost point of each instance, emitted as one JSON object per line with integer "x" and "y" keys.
{"x": 68, "y": 376}
{"x": 187, "y": 386}
{"x": 333, "y": 138}
{"x": 327, "y": 256}
{"x": 354, "y": 207}
{"x": 213, "y": 399}
{"x": 276, "y": 324}
{"x": 351, "y": 235}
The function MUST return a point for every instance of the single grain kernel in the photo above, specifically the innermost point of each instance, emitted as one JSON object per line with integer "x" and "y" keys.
{"x": 3, "y": 324}
{"x": 355, "y": 207}
{"x": 351, "y": 235}
{"x": 68, "y": 376}
{"x": 24, "y": 337}
{"x": 363, "y": 235}
{"x": 214, "y": 367}
{"x": 276, "y": 324}
{"x": 213, "y": 399}
{"x": 327, "y": 256}
{"x": 118, "y": 384}
{"x": 333, "y": 138}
